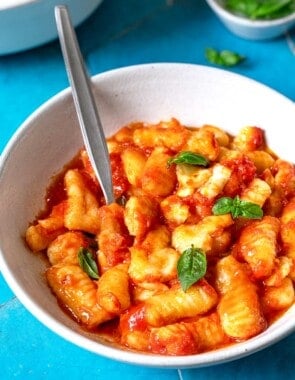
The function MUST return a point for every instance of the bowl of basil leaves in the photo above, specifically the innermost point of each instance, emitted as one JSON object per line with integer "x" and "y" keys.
{"x": 255, "y": 19}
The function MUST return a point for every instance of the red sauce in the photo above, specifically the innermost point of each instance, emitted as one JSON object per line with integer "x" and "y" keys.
{"x": 120, "y": 182}
{"x": 109, "y": 331}
{"x": 243, "y": 172}
{"x": 56, "y": 193}
{"x": 134, "y": 319}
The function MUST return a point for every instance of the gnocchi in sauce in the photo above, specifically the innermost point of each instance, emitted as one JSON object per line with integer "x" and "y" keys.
{"x": 116, "y": 268}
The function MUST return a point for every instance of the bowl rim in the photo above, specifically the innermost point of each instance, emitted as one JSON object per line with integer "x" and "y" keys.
{"x": 232, "y": 353}
{"x": 12, "y": 4}
{"x": 217, "y": 6}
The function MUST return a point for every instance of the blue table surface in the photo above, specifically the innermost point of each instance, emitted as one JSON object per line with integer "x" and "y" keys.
{"x": 117, "y": 34}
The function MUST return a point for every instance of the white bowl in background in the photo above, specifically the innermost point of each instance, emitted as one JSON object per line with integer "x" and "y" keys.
{"x": 252, "y": 29}
{"x": 25, "y": 24}
{"x": 50, "y": 137}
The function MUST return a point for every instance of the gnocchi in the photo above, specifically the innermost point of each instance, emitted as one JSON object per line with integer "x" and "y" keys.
{"x": 130, "y": 270}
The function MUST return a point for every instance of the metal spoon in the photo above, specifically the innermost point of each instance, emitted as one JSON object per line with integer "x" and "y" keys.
{"x": 90, "y": 124}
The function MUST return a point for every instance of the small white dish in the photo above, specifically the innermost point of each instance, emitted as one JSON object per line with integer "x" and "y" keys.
{"x": 51, "y": 136}
{"x": 25, "y": 24}
{"x": 252, "y": 29}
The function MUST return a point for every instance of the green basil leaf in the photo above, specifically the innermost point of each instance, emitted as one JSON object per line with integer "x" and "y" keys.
{"x": 271, "y": 9}
{"x": 242, "y": 7}
{"x": 189, "y": 158}
{"x": 261, "y": 9}
{"x": 213, "y": 56}
{"x": 191, "y": 266}
{"x": 230, "y": 58}
{"x": 224, "y": 57}
{"x": 247, "y": 210}
{"x": 223, "y": 206}
{"x": 237, "y": 207}
{"x": 87, "y": 263}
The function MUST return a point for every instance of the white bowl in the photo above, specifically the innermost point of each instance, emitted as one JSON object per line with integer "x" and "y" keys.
{"x": 50, "y": 137}
{"x": 25, "y": 24}
{"x": 252, "y": 29}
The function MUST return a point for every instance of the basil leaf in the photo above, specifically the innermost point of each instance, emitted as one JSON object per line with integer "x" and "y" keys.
{"x": 223, "y": 206}
{"x": 189, "y": 158}
{"x": 241, "y": 7}
{"x": 261, "y": 9}
{"x": 270, "y": 9}
{"x": 213, "y": 56}
{"x": 247, "y": 210}
{"x": 237, "y": 207}
{"x": 191, "y": 266}
{"x": 87, "y": 263}
{"x": 223, "y": 58}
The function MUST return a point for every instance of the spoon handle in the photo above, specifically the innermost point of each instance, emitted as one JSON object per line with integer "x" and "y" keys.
{"x": 89, "y": 121}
